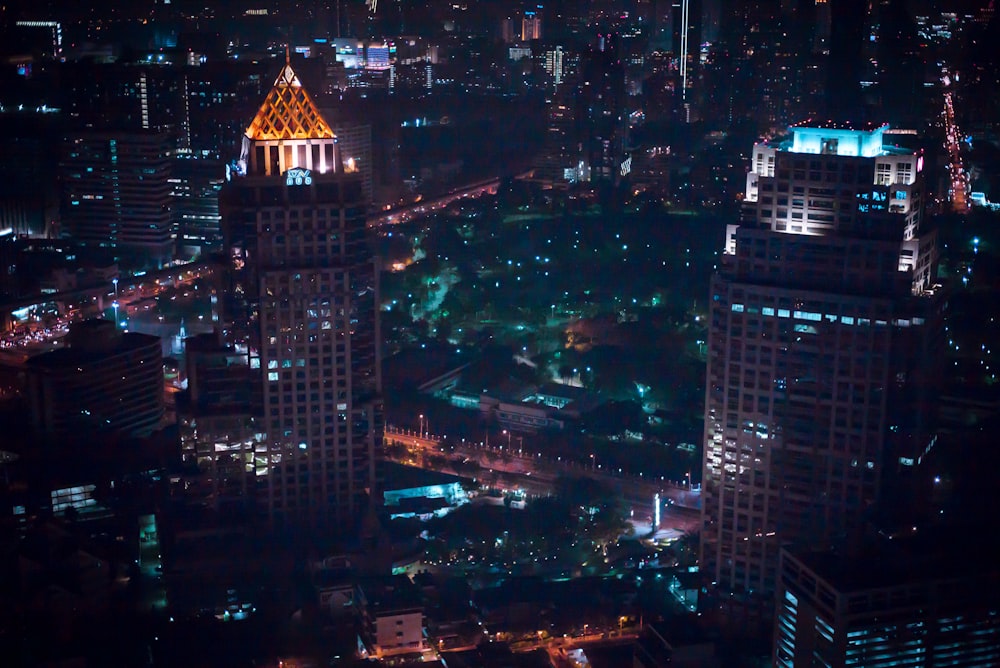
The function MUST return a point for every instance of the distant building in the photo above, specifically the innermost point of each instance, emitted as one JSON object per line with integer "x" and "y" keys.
{"x": 103, "y": 381}
{"x": 116, "y": 194}
{"x": 560, "y": 162}
{"x": 898, "y": 605}
{"x": 196, "y": 179}
{"x": 531, "y": 25}
{"x": 824, "y": 338}
{"x": 151, "y": 96}
{"x": 601, "y": 108}
{"x": 551, "y": 406}
{"x": 355, "y": 144}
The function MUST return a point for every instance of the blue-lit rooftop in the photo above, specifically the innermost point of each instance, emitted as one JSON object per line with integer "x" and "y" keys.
{"x": 829, "y": 139}
{"x": 838, "y": 141}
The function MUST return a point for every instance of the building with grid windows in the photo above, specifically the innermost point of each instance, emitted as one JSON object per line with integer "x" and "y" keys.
{"x": 825, "y": 325}
{"x": 116, "y": 193}
{"x": 301, "y": 305}
{"x": 904, "y": 602}
{"x": 104, "y": 381}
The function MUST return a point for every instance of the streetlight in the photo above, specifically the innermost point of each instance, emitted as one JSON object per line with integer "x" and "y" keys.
{"x": 114, "y": 281}
{"x": 422, "y": 422}
{"x": 508, "y": 439}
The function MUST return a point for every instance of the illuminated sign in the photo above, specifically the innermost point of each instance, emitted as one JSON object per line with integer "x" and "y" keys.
{"x": 626, "y": 166}
{"x": 298, "y": 177}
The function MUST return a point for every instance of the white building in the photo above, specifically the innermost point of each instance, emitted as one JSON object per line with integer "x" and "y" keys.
{"x": 824, "y": 323}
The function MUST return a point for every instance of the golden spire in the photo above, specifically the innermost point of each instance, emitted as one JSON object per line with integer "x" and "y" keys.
{"x": 288, "y": 111}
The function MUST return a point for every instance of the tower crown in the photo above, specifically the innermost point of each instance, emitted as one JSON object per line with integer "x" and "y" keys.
{"x": 288, "y": 112}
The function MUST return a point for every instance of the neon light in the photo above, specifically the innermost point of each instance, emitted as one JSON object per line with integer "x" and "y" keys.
{"x": 298, "y": 177}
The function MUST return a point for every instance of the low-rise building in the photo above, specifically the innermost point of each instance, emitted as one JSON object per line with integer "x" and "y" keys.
{"x": 413, "y": 492}
{"x": 393, "y": 616}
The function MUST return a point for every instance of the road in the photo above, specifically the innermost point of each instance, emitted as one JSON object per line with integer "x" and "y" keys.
{"x": 516, "y": 473}
{"x": 37, "y": 333}
{"x": 513, "y": 461}
{"x": 403, "y": 214}
{"x": 959, "y": 186}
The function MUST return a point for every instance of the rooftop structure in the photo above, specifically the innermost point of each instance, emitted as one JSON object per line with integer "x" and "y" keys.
{"x": 288, "y": 112}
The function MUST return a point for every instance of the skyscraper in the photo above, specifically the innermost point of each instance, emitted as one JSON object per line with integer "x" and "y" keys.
{"x": 302, "y": 305}
{"x": 825, "y": 316}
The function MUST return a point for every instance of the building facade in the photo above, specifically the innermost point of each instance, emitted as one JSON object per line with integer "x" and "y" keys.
{"x": 103, "y": 381}
{"x": 888, "y": 608}
{"x": 196, "y": 179}
{"x": 825, "y": 322}
{"x": 302, "y": 306}
{"x": 116, "y": 193}
{"x": 219, "y": 432}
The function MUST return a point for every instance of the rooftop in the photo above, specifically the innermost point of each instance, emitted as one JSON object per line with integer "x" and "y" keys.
{"x": 829, "y": 138}
{"x": 288, "y": 112}
{"x": 75, "y": 356}
{"x": 399, "y": 476}
{"x": 864, "y": 126}
{"x": 932, "y": 555}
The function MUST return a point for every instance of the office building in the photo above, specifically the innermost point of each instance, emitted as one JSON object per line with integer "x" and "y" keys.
{"x": 195, "y": 181}
{"x": 602, "y": 110}
{"x": 355, "y": 144}
{"x": 116, "y": 194}
{"x": 825, "y": 325}
{"x": 531, "y": 25}
{"x": 151, "y": 96}
{"x": 220, "y": 434}
{"x": 560, "y": 162}
{"x": 104, "y": 381}
{"x": 686, "y": 24}
{"x": 553, "y": 64}
{"x": 905, "y": 602}
{"x": 302, "y": 306}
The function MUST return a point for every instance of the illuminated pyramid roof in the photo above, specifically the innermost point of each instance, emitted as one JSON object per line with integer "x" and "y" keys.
{"x": 288, "y": 112}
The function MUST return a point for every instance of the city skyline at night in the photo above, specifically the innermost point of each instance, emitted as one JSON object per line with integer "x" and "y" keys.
{"x": 509, "y": 333}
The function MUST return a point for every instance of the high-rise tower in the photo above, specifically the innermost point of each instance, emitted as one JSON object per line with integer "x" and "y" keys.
{"x": 302, "y": 305}
{"x": 825, "y": 323}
